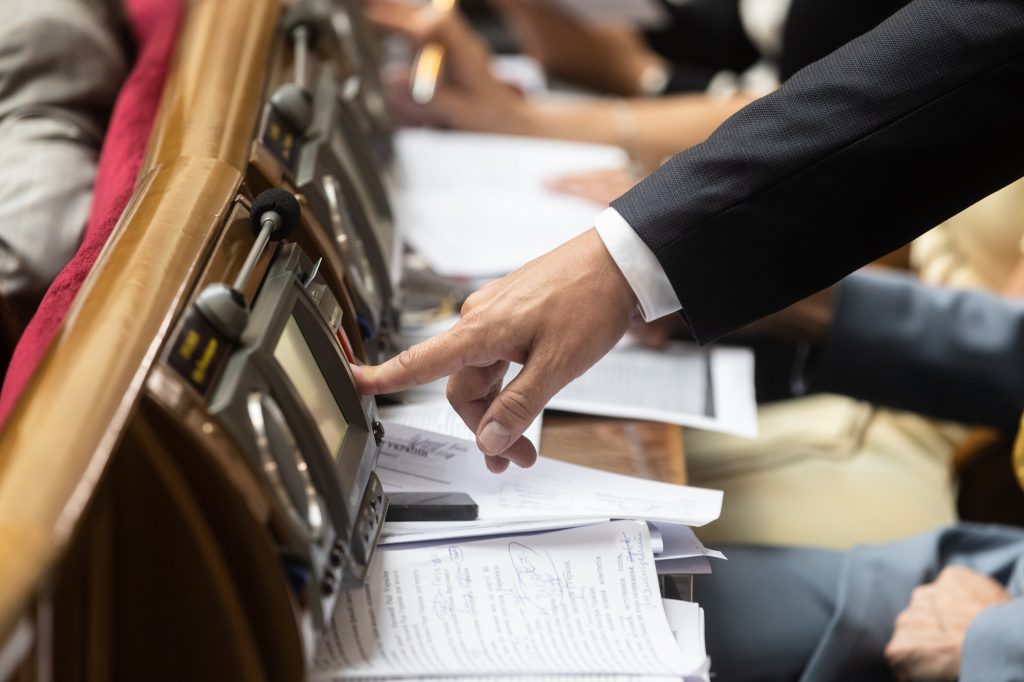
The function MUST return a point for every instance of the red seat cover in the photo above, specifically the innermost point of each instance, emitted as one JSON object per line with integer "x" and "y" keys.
{"x": 155, "y": 25}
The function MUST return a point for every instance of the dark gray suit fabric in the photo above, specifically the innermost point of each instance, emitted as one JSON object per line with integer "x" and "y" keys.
{"x": 766, "y": 608}
{"x": 876, "y": 585}
{"x": 854, "y": 156}
{"x": 823, "y": 616}
{"x": 946, "y": 353}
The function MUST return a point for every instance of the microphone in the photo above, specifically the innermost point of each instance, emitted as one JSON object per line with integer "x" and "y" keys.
{"x": 274, "y": 216}
{"x": 275, "y": 205}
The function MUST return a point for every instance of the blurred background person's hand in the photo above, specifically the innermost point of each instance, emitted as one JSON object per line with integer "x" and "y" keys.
{"x": 608, "y": 58}
{"x": 601, "y": 186}
{"x": 468, "y": 96}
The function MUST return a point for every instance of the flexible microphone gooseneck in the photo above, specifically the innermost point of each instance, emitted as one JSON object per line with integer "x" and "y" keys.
{"x": 274, "y": 215}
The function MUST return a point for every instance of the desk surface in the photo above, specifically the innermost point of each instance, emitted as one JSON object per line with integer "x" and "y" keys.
{"x": 649, "y": 450}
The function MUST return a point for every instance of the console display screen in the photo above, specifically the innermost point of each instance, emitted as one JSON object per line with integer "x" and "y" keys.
{"x": 293, "y": 354}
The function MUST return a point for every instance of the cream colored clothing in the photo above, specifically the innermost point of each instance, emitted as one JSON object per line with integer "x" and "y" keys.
{"x": 977, "y": 248}
{"x": 829, "y": 471}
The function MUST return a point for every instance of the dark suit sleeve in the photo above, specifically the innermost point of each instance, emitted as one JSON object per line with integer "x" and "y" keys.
{"x": 943, "y": 352}
{"x": 854, "y": 156}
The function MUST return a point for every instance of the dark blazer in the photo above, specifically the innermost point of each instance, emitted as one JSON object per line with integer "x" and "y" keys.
{"x": 857, "y": 154}
{"x": 947, "y": 353}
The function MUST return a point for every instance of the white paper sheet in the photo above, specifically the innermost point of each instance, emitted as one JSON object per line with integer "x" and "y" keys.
{"x": 421, "y": 533}
{"x": 679, "y": 542}
{"x": 558, "y": 678}
{"x": 475, "y": 205}
{"x": 670, "y": 385}
{"x": 676, "y": 542}
{"x": 416, "y": 460}
{"x": 439, "y": 417}
{"x": 686, "y": 620}
{"x": 657, "y": 543}
{"x": 581, "y": 601}
{"x": 643, "y": 13}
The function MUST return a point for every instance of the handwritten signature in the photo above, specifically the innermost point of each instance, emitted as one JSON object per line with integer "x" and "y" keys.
{"x": 634, "y": 547}
{"x": 537, "y": 579}
{"x": 462, "y": 575}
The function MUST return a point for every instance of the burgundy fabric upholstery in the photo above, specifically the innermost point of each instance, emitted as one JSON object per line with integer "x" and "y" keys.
{"x": 155, "y": 25}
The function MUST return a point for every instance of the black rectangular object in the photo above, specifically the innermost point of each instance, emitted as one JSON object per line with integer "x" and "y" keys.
{"x": 433, "y": 506}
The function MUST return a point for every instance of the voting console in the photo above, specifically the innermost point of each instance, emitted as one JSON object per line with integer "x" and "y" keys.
{"x": 188, "y": 481}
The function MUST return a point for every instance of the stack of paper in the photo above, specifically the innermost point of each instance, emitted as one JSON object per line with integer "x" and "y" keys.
{"x": 549, "y": 495}
{"x": 579, "y": 602}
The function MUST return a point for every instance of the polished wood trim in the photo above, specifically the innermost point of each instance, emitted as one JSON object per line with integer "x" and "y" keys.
{"x": 649, "y": 450}
{"x": 225, "y": 622}
{"x": 211, "y": 102}
{"x": 72, "y": 414}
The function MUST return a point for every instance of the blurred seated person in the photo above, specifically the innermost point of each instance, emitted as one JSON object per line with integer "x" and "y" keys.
{"x": 650, "y": 130}
{"x": 945, "y": 605}
{"x": 702, "y": 45}
{"x": 61, "y": 66}
{"x": 830, "y": 470}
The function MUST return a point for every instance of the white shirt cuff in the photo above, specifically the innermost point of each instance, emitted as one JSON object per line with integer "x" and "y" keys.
{"x": 638, "y": 264}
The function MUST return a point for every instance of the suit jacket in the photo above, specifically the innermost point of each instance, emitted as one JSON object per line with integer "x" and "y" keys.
{"x": 948, "y": 353}
{"x": 855, "y": 155}
{"x": 876, "y": 582}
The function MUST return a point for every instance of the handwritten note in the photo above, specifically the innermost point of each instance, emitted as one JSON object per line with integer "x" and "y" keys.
{"x": 579, "y": 601}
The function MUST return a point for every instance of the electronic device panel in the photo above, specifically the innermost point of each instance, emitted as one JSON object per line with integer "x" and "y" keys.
{"x": 341, "y": 179}
{"x": 321, "y": 127}
{"x": 288, "y": 398}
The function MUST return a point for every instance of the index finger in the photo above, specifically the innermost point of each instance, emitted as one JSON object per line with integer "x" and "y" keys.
{"x": 433, "y": 359}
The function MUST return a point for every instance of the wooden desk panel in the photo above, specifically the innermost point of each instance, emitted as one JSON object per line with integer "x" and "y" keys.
{"x": 649, "y": 450}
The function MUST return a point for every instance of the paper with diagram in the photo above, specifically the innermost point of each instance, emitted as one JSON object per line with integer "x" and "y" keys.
{"x": 579, "y": 601}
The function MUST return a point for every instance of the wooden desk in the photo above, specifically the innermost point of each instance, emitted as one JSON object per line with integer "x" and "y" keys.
{"x": 649, "y": 450}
